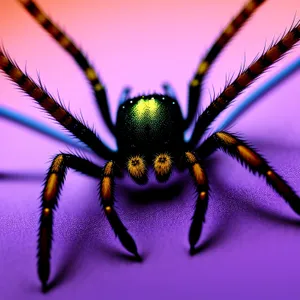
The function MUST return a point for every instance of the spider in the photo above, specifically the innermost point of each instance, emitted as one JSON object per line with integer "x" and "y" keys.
{"x": 149, "y": 132}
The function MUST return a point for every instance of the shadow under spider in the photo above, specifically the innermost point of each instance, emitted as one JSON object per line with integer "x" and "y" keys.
{"x": 154, "y": 194}
{"x": 21, "y": 176}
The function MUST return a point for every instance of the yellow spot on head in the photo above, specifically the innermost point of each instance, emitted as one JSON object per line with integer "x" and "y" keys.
{"x": 107, "y": 209}
{"x": 136, "y": 167}
{"x": 91, "y": 74}
{"x": 51, "y": 187}
{"x": 106, "y": 188}
{"x": 98, "y": 87}
{"x": 41, "y": 18}
{"x": 269, "y": 173}
{"x": 146, "y": 107}
{"x": 162, "y": 164}
{"x": 202, "y": 68}
{"x": 195, "y": 82}
{"x": 202, "y": 195}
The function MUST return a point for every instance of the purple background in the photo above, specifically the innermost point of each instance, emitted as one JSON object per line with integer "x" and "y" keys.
{"x": 250, "y": 244}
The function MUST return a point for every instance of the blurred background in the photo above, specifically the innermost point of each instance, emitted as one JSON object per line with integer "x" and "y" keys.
{"x": 250, "y": 241}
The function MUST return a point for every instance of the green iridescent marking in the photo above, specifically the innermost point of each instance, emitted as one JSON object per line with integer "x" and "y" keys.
{"x": 146, "y": 108}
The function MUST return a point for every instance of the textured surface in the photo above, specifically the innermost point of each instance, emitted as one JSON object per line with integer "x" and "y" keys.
{"x": 250, "y": 244}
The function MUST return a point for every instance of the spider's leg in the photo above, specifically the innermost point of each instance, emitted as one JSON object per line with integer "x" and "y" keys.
{"x": 169, "y": 90}
{"x": 227, "y": 34}
{"x": 56, "y": 110}
{"x": 107, "y": 199}
{"x": 50, "y": 195}
{"x": 243, "y": 80}
{"x": 124, "y": 94}
{"x": 247, "y": 156}
{"x": 66, "y": 43}
{"x": 199, "y": 175}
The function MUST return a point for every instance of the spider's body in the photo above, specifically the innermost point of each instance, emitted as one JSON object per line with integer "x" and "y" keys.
{"x": 149, "y": 132}
{"x": 148, "y": 125}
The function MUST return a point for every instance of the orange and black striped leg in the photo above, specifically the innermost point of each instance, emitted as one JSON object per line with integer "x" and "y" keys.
{"x": 137, "y": 169}
{"x": 53, "y": 107}
{"x": 240, "y": 150}
{"x": 107, "y": 200}
{"x": 198, "y": 173}
{"x": 68, "y": 45}
{"x": 162, "y": 165}
{"x": 243, "y": 80}
{"x": 53, "y": 184}
{"x": 227, "y": 34}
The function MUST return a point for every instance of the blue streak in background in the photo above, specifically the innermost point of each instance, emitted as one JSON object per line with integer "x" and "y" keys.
{"x": 258, "y": 93}
{"x": 29, "y": 122}
{"x": 241, "y": 106}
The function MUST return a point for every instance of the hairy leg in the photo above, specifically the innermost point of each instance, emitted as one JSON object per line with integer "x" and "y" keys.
{"x": 200, "y": 179}
{"x": 251, "y": 159}
{"x": 68, "y": 45}
{"x": 227, "y": 34}
{"x": 50, "y": 195}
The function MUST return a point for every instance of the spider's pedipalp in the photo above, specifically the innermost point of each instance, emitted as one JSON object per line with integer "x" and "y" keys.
{"x": 137, "y": 169}
{"x": 107, "y": 199}
{"x": 200, "y": 179}
{"x": 162, "y": 165}
{"x": 52, "y": 187}
{"x": 57, "y": 111}
{"x": 227, "y": 34}
{"x": 240, "y": 150}
{"x": 66, "y": 43}
{"x": 242, "y": 81}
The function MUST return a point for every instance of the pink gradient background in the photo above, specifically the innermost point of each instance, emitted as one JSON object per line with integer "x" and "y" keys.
{"x": 142, "y": 43}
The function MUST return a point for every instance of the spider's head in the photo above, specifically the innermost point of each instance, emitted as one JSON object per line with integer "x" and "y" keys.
{"x": 150, "y": 124}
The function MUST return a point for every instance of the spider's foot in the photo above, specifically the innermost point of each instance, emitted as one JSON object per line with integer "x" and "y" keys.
{"x": 194, "y": 235}
{"x": 138, "y": 257}
{"x": 129, "y": 244}
{"x": 192, "y": 250}
{"x": 44, "y": 286}
{"x": 44, "y": 272}
{"x": 295, "y": 205}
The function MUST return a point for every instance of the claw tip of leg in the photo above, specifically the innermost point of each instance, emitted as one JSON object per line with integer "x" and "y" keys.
{"x": 192, "y": 250}
{"x": 138, "y": 257}
{"x": 44, "y": 287}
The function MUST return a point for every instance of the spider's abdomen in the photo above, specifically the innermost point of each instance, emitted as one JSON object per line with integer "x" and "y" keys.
{"x": 148, "y": 125}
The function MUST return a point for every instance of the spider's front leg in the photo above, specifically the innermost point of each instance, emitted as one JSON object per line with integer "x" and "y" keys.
{"x": 107, "y": 199}
{"x": 53, "y": 184}
{"x": 198, "y": 173}
{"x": 240, "y": 150}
